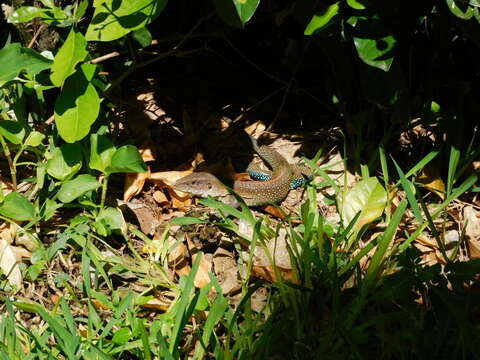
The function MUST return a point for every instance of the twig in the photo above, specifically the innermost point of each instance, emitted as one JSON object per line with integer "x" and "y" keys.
{"x": 104, "y": 57}
{"x": 35, "y": 36}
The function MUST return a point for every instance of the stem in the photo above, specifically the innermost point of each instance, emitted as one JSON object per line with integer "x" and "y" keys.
{"x": 104, "y": 190}
{"x": 13, "y": 171}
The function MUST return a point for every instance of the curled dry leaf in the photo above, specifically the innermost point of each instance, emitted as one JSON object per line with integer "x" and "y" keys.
{"x": 160, "y": 197}
{"x": 472, "y": 230}
{"x": 156, "y": 304}
{"x": 256, "y": 129}
{"x": 9, "y": 265}
{"x": 134, "y": 184}
{"x": 431, "y": 180}
{"x": 146, "y": 153}
{"x": 179, "y": 198}
{"x": 169, "y": 177}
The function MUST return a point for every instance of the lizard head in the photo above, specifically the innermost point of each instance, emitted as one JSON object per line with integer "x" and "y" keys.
{"x": 201, "y": 184}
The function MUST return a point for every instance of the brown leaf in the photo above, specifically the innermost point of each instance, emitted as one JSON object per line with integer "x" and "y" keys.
{"x": 134, "y": 184}
{"x": 472, "y": 230}
{"x": 9, "y": 265}
{"x": 430, "y": 179}
{"x": 160, "y": 197}
{"x": 146, "y": 153}
{"x": 256, "y": 129}
{"x": 156, "y": 304}
{"x": 169, "y": 177}
{"x": 268, "y": 273}
{"x": 274, "y": 211}
{"x": 202, "y": 278}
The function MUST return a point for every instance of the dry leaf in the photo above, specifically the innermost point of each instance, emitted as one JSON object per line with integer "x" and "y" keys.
{"x": 9, "y": 265}
{"x": 21, "y": 253}
{"x": 202, "y": 278}
{"x": 472, "y": 230}
{"x": 169, "y": 177}
{"x": 177, "y": 255}
{"x": 134, "y": 184}
{"x": 98, "y": 305}
{"x": 274, "y": 211}
{"x": 160, "y": 197}
{"x": 146, "y": 153}
{"x": 256, "y": 129}
{"x": 179, "y": 198}
{"x": 430, "y": 179}
{"x": 156, "y": 304}
{"x": 268, "y": 273}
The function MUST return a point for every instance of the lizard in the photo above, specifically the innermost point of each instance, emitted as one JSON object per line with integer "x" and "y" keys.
{"x": 273, "y": 187}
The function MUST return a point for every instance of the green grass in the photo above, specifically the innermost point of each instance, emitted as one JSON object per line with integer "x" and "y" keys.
{"x": 337, "y": 307}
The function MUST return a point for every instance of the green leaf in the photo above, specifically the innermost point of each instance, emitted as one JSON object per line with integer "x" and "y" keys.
{"x": 51, "y": 206}
{"x": 17, "y": 207}
{"x": 101, "y": 152}
{"x": 465, "y": 14}
{"x": 25, "y": 13}
{"x": 127, "y": 159}
{"x": 13, "y": 131}
{"x": 75, "y": 188}
{"x": 73, "y": 50}
{"x": 376, "y": 52}
{"x": 367, "y": 197}
{"x": 64, "y": 161}
{"x": 322, "y": 20}
{"x": 15, "y": 59}
{"x": 236, "y": 12}
{"x": 355, "y": 4}
{"x": 142, "y": 36}
{"x": 77, "y": 106}
{"x": 34, "y": 139}
{"x": 187, "y": 220}
{"x": 115, "y": 18}
{"x": 122, "y": 336}
{"x": 112, "y": 219}
{"x": 81, "y": 10}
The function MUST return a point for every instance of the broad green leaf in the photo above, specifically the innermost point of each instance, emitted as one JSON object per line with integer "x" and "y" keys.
{"x": 236, "y": 12}
{"x": 376, "y": 52}
{"x": 355, "y": 4}
{"x": 25, "y": 13}
{"x": 101, "y": 152}
{"x": 73, "y": 50}
{"x": 13, "y": 131}
{"x": 127, "y": 159}
{"x": 115, "y": 18}
{"x": 15, "y": 59}
{"x": 17, "y": 207}
{"x": 458, "y": 12}
{"x": 77, "y": 106}
{"x": 367, "y": 197}
{"x": 112, "y": 219}
{"x": 51, "y": 206}
{"x": 142, "y": 36}
{"x": 322, "y": 20}
{"x": 64, "y": 161}
{"x": 34, "y": 139}
{"x": 81, "y": 10}
{"x": 76, "y": 187}
{"x": 122, "y": 336}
